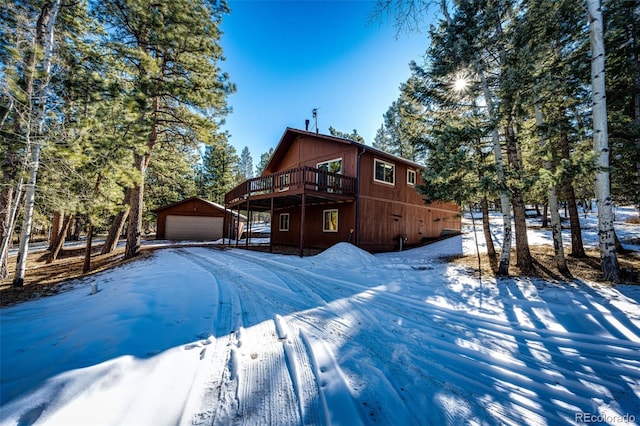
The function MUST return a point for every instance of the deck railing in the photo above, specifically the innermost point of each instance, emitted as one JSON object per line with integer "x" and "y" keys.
{"x": 307, "y": 178}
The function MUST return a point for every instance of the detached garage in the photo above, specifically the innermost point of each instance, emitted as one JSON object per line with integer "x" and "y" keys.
{"x": 196, "y": 219}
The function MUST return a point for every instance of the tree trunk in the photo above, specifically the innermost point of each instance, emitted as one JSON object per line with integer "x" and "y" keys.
{"x": 505, "y": 203}
{"x": 54, "y": 230}
{"x": 556, "y": 231}
{"x": 115, "y": 231}
{"x": 577, "y": 247}
{"x": 60, "y": 239}
{"x": 523, "y": 255}
{"x": 545, "y": 215}
{"x": 34, "y": 142}
{"x": 556, "y": 223}
{"x": 11, "y": 199}
{"x": 486, "y": 228}
{"x": 86, "y": 267}
{"x": 619, "y": 247}
{"x": 608, "y": 258}
{"x": 6, "y": 198}
{"x": 78, "y": 226}
{"x": 27, "y": 219}
{"x": 636, "y": 99}
{"x": 135, "y": 213}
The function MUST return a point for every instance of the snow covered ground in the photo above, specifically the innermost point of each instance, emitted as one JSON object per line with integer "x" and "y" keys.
{"x": 206, "y": 336}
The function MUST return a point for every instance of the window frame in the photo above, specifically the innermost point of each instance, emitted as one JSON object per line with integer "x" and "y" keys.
{"x": 284, "y": 180}
{"x": 327, "y": 162}
{"x": 411, "y": 172}
{"x": 332, "y": 183}
{"x": 324, "y": 220}
{"x": 386, "y": 163}
{"x": 280, "y": 220}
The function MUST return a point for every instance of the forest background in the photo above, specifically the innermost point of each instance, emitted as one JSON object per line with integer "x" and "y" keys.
{"x": 105, "y": 106}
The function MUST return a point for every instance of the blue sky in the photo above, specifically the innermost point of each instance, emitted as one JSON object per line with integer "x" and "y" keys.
{"x": 288, "y": 57}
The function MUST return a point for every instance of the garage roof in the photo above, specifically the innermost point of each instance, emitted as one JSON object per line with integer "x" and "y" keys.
{"x": 211, "y": 203}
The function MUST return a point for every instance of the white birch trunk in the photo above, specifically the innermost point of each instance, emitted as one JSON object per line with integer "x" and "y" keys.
{"x": 505, "y": 202}
{"x": 610, "y": 267}
{"x": 9, "y": 227}
{"x": 34, "y": 147}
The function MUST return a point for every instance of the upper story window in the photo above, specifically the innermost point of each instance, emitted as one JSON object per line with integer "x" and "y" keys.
{"x": 334, "y": 166}
{"x": 329, "y": 183}
{"x": 384, "y": 172}
{"x": 284, "y": 182}
{"x": 411, "y": 177}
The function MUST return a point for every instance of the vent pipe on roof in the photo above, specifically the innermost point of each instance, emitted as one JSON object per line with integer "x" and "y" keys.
{"x": 306, "y": 125}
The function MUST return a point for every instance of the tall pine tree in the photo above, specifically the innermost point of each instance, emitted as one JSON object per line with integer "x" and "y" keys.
{"x": 170, "y": 55}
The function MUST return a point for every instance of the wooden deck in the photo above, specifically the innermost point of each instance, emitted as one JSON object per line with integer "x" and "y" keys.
{"x": 317, "y": 184}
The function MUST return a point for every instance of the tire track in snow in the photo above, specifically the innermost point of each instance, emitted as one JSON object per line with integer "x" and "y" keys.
{"x": 571, "y": 378}
{"x": 458, "y": 338}
{"x": 259, "y": 371}
{"x": 298, "y": 365}
{"x": 218, "y": 355}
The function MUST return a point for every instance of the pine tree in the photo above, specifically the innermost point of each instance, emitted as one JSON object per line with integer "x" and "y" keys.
{"x": 245, "y": 165}
{"x": 219, "y": 169}
{"x": 171, "y": 177}
{"x": 264, "y": 160}
{"x": 457, "y": 145}
{"x": 382, "y": 140}
{"x": 403, "y": 129}
{"x": 468, "y": 48}
{"x": 552, "y": 35}
{"x": 353, "y": 136}
{"x": 623, "y": 97}
{"x": 170, "y": 54}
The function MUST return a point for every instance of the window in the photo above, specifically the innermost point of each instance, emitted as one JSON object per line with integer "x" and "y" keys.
{"x": 411, "y": 177}
{"x": 384, "y": 172}
{"x": 330, "y": 221}
{"x": 329, "y": 183}
{"x": 334, "y": 166}
{"x": 284, "y": 221}
{"x": 284, "y": 182}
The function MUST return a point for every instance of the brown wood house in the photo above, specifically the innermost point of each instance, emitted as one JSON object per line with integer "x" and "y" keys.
{"x": 321, "y": 190}
{"x": 196, "y": 219}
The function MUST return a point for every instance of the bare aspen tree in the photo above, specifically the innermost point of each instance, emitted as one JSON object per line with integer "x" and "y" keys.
{"x": 610, "y": 267}
{"x": 37, "y": 97}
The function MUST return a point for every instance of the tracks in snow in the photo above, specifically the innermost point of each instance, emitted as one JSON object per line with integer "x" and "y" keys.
{"x": 259, "y": 368}
{"x": 275, "y": 328}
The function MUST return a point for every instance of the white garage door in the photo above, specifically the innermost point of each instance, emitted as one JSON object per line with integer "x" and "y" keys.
{"x": 193, "y": 228}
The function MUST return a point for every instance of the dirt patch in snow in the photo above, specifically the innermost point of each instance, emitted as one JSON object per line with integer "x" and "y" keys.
{"x": 587, "y": 269}
{"x": 43, "y": 279}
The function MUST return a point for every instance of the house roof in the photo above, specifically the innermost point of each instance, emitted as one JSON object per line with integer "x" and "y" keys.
{"x": 211, "y": 203}
{"x": 290, "y": 135}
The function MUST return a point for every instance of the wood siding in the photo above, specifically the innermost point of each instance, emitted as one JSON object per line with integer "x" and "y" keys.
{"x": 309, "y": 151}
{"x": 386, "y": 211}
{"x": 390, "y": 211}
{"x": 313, "y": 231}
